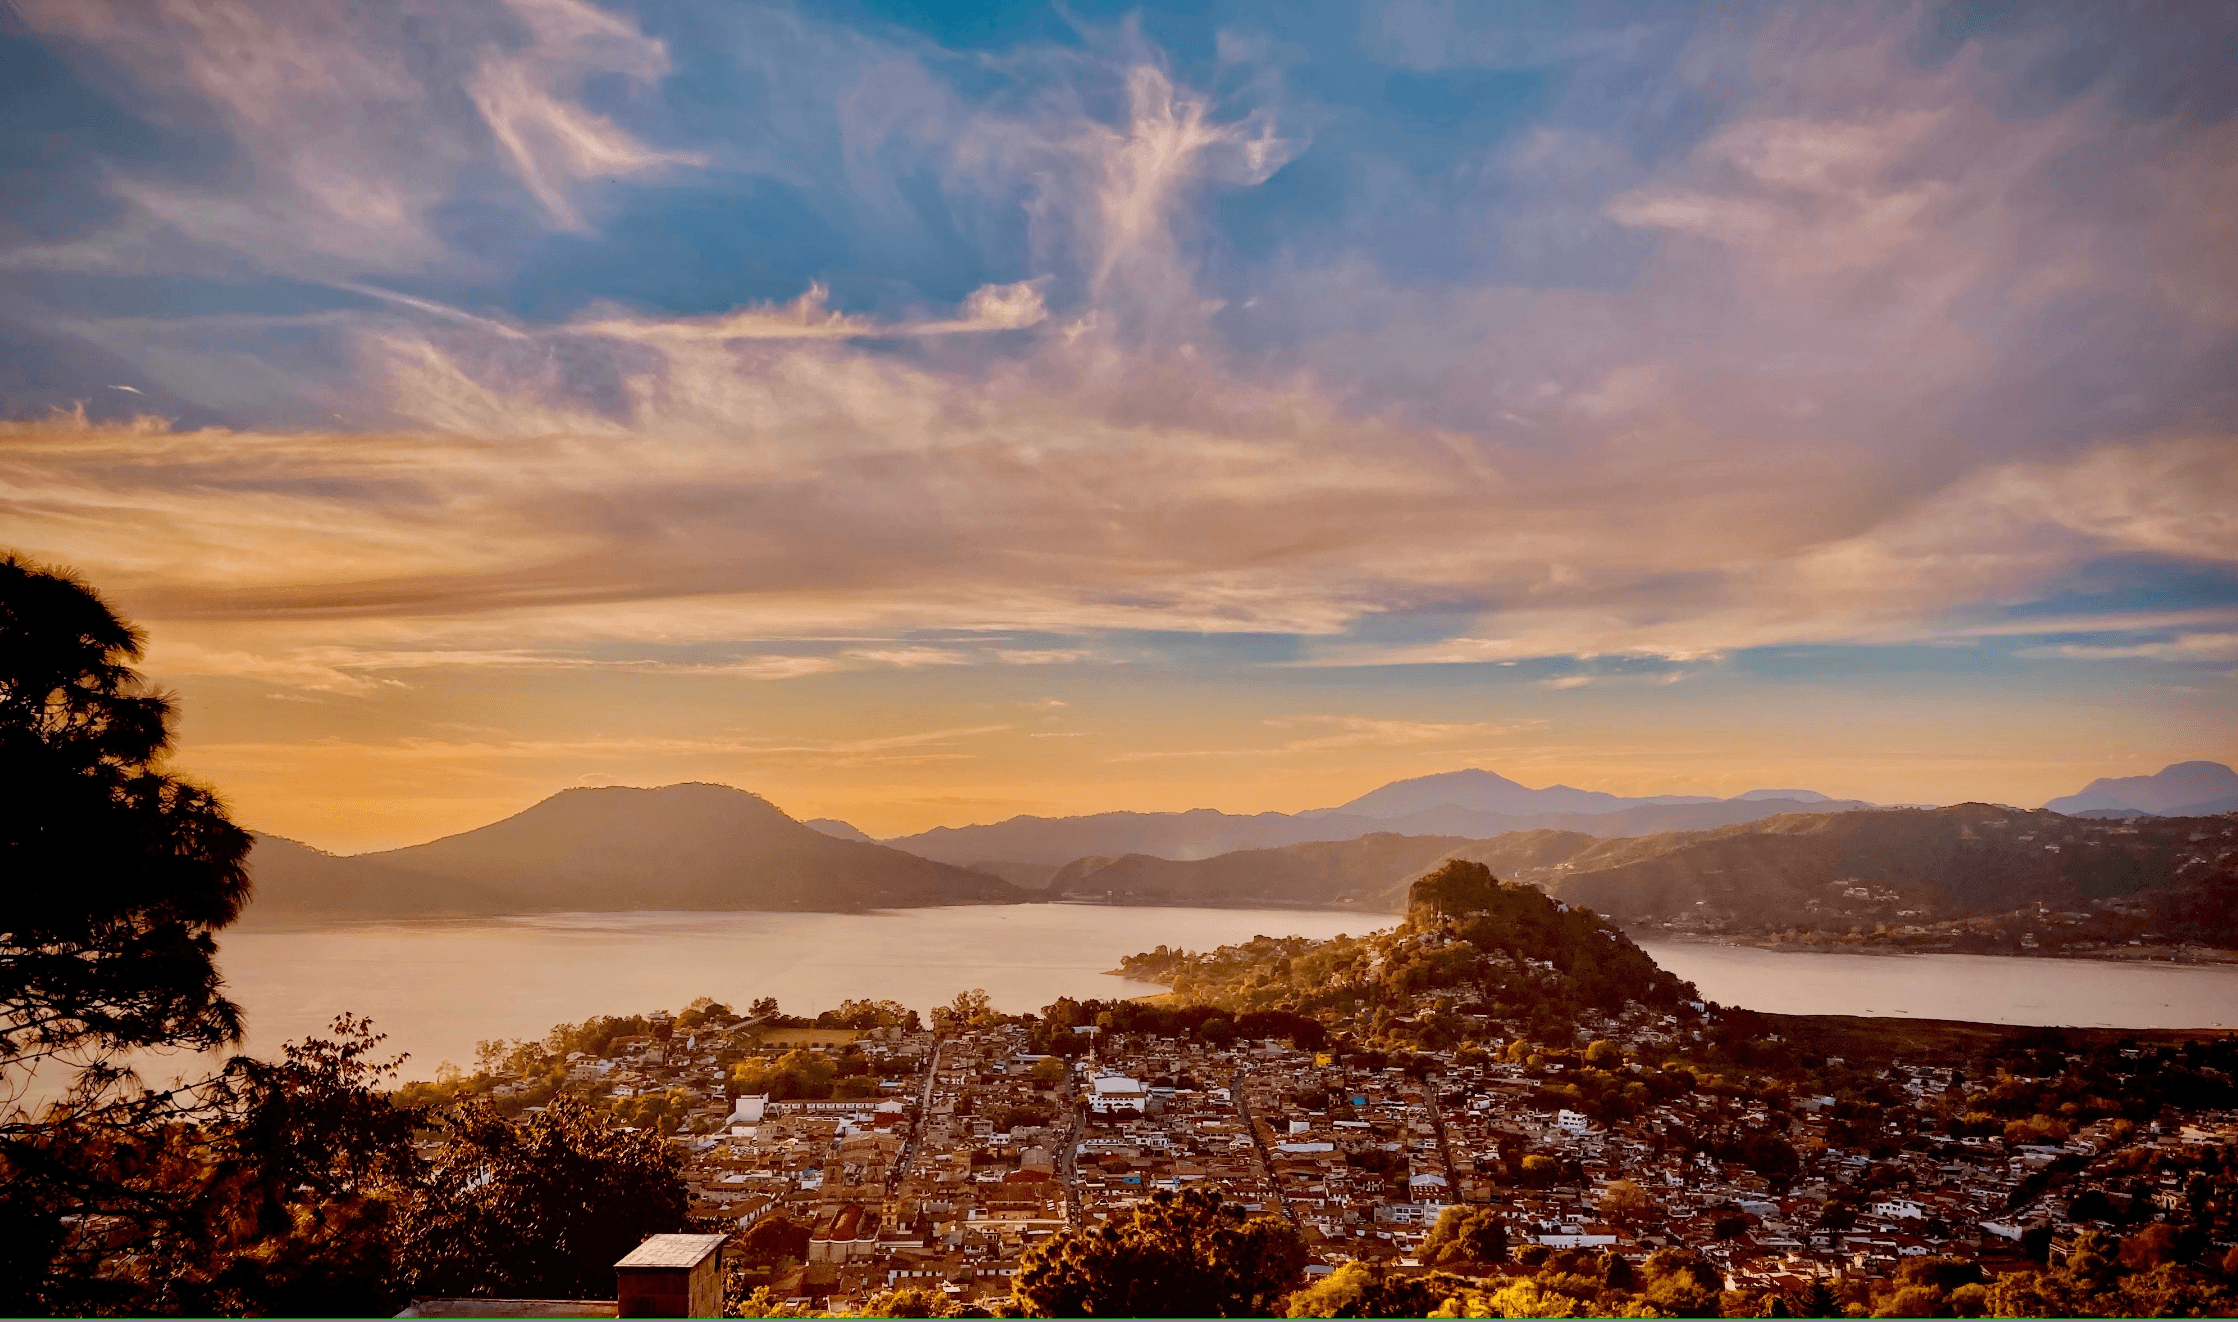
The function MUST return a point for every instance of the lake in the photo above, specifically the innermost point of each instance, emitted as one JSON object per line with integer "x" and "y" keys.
{"x": 1989, "y": 989}
{"x": 438, "y": 987}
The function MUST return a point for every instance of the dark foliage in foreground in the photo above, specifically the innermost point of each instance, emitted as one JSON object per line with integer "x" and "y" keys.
{"x": 1182, "y": 1255}
{"x": 117, "y": 876}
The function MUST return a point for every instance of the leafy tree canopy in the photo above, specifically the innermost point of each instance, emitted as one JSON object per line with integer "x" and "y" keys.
{"x": 541, "y": 1209}
{"x": 117, "y": 874}
{"x": 120, "y": 872}
{"x": 1183, "y": 1255}
{"x": 1466, "y": 1237}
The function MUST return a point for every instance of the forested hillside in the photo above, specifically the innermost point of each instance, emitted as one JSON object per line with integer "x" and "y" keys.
{"x": 1916, "y": 868}
{"x": 1948, "y": 873}
{"x": 1472, "y": 957}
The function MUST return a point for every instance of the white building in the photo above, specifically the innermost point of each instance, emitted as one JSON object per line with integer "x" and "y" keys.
{"x": 1408, "y": 1214}
{"x": 1111, "y": 1093}
{"x": 1575, "y": 1240}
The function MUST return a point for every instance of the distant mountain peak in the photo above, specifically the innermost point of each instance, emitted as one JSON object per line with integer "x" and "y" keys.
{"x": 1477, "y": 790}
{"x": 2177, "y": 786}
{"x": 838, "y": 830}
{"x": 687, "y": 846}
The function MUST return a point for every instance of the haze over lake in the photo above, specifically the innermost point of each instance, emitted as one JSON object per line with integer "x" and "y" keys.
{"x": 438, "y": 987}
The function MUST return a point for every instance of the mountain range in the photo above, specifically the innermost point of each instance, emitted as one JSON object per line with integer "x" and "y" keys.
{"x": 1205, "y": 832}
{"x": 1488, "y": 791}
{"x": 1664, "y": 859}
{"x": 2183, "y": 789}
{"x": 1827, "y": 872}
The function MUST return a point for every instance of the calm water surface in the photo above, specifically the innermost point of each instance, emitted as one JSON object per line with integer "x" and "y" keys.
{"x": 1989, "y": 989}
{"x": 438, "y": 987}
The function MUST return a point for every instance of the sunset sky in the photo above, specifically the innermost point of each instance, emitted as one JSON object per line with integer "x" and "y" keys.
{"x": 926, "y": 414}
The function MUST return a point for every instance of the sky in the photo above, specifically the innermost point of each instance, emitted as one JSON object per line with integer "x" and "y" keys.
{"x": 923, "y": 414}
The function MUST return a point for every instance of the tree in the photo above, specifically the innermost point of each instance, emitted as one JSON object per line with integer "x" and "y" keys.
{"x": 761, "y": 1301}
{"x": 1466, "y": 1237}
{"x": 275, "y": 1195}
{"x": 118, "y": 875}
{"x": 1359, "y": 1290}
{"x": 867, "y": 1014}
{"x": 540, "y": 1209}
{"x": 1678, "y": 1283}
{"x": 123, "y": 872}
{"x": 773, "y": 1240}
{"x": 295, "y": 1187}
{"x": 1818, "y": 1300}
{"x": 967, "y": 1011}
{"x": 1185, "y": 1255}
{"x": 796, "y": 1074}
{"x": 705, "y": 1010}
{"x": 1012, "y": 1118}
{"x": 910, "y": 1301}
{"x": 1625, "y": 1203}
{"x": 2148, "y": 1248}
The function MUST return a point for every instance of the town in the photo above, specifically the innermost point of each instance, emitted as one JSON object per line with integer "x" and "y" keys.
{"x": 938, "y": 1159}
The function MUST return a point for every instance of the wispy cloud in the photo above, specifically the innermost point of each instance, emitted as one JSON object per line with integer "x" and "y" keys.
{"x": 2184, "y": 648}
{"x": 910, "y": 658}
{"x": 915, "y": 746}
{"x": 352, "y": 117}
{"x": 1357, "y": 731}
{"x": 541, "y": 336}
{"x": 364, "y": 671}
{"x": 1344, "y": 732}
{"x": 809, "y": 317}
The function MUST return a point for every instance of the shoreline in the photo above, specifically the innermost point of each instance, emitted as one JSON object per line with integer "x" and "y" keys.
{"x": 297, "y": 921}
{"x": 2188, "y": 956}
{"x": 2175, "y": 956}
